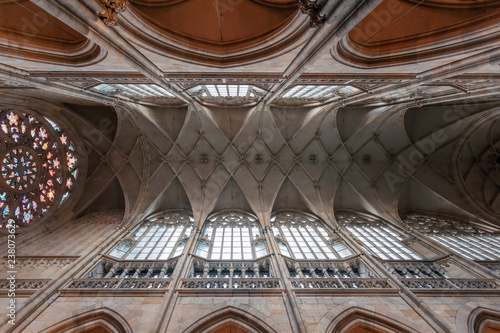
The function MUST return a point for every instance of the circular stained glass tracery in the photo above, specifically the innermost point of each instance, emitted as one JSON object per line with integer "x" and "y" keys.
{"x": 39, "y": 167}
{"x": 20, "y": 168}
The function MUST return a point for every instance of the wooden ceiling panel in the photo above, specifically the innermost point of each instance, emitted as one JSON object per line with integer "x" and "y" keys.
{"x": 216, "y": 32}
{"x": 407, "y": 31}
{"x": 28, "y": 32}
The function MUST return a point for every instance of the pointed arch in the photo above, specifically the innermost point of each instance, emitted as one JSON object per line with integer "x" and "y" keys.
{"x": 232, "y": 235}
{"x": 305, "y": 236}
{"x": 483, "y": 320}
{"x": 103, "y": 318}
{"x": 357, "y": 319}
{"x": 230, "y": 317}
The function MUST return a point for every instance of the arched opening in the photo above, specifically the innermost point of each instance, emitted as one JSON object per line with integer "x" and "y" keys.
{"x": 358, "y": 320}
{"x": 483, "y": 320}
{"x": 94, "y": 321}
{"x": 97, "y": 330}
{"x": 229, "y": 327}
{"x": 230, "y": 320}
{"x": 305, "y": 237}
{"x": 232, "y": 235}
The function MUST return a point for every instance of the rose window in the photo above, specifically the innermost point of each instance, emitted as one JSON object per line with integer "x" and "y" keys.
{"x": 39, "y": 167}
{"x": 19, "y": 168}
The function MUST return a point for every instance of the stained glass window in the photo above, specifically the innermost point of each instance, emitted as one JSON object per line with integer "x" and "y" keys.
{"x": 159, "y": 237}
{"x": 39, "y": 166}
{"x": 232, "y": 235}
{"x": 302, "y": 236}
{"x": 468, "y": 239}
{"x": 377, "y": 237}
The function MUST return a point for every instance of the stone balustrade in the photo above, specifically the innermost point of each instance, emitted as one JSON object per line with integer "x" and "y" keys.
{"x": 235, "y": 283}
{"x": 460, "y": 284}
{"x": 119, "y": 284}
{"x": 326, "y": 283}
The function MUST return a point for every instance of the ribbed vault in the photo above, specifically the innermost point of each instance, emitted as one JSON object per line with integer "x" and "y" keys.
{"x": 378, "y": 160}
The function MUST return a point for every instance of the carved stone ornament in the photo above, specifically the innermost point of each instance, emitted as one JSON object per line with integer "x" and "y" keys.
{"x": 312, "y": 8}
{"x": 111, "y": 10}
{"x": 436, "y": 225}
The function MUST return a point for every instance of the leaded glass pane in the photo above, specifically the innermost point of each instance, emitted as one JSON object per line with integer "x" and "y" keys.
{"x": 160, "y": 237}
{"x": 231, "y": 235}
{"x": 377, "y": 237}
{"x": 302, "y": 236}
{"x": 466, "y": 238}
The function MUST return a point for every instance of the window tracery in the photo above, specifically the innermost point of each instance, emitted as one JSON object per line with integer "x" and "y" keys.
{"x": 377, "y": 237}
{"x": 160, "y": 237}
{"x": 462, "y": 237}
{"x": 232, "y": 235}
{"x": 39, "y": 166}
{"x": 302, "y": 236}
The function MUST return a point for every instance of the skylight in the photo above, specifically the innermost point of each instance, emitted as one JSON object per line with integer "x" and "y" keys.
{"x": 319, "y": 91}
{"x": 226, "y": 91}
{"x": 133, "y": 90}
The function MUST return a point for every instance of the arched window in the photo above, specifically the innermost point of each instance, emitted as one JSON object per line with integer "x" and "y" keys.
{"x": 159, "y": 237}
{"x": 377, "y": 237}
{"x": 232, "y": 235}
{"x": 39, "y": 167}
{"x": 468, "y": 239}
{"x": 302, "y": 236}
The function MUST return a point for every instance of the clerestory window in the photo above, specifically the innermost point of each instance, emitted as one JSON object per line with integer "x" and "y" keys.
{"x": 377, "y": 237}
{"x": 302, "y": 236}
{"x": 159, "y": 237}
{"x": 231, "y": 235}
{"x": 463, "y": 237}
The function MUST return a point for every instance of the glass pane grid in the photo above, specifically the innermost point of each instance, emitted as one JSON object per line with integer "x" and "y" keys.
{"x": 231, "y": 235}
{"x": 157, "y": 240}
{"x": 304, "y": 235}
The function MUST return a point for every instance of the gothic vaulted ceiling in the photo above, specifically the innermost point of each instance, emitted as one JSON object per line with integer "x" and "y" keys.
{"x": 379, "y": 160}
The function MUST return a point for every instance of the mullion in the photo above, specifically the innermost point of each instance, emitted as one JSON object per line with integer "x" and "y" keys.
{"x": 136, "y": 242}
{"x": 367, "y": 241}
{"x": 485, "y": 243}
{"x": 315, "y": 242}
{"x": 306, "y": 90}
{"x": 306, "y": 242}
{"x": 473, "y": 246}
{"x": 249, "y": 231}
{"x": 167, "y": 242}
{"x": 212, "y": 239}
{"x": 295, "y": 241}
{"x": 142, "y": 251}
{"x": 320, "y": 235}
{"x": 146, "y": 241}
{"x": 493, "y": 240}
{"x": 473, "y": 243}
{"x": 252, "y": 244}
{"x": 381, "y": 249}
{"x": 384, "y": 237}
{"x": 287, "y": 244}
{"x": 386, "y": 242}
{"x": 455, "y": 246}
{"x": 156, "y": 244}
{"x": 402, "y": 247}
{"x": 295, "y": 94}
